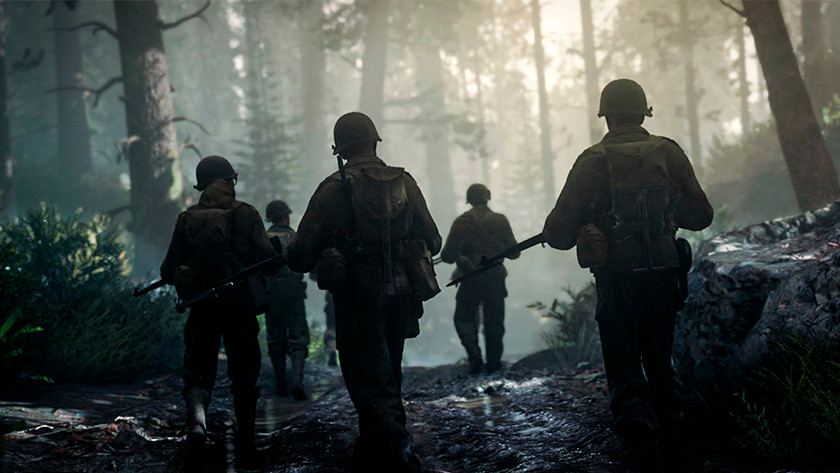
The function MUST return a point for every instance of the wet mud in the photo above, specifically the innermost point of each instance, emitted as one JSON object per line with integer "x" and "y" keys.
{"x": 522, "y": 419}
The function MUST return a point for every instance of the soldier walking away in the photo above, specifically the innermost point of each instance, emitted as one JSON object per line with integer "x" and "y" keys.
{"x": 285, "y": 318}
{"x": 479, "y": 233}
{"x": 213, "y": 239}
{"x": 622, "y": 204}
{"x": 365, "y": 227}
{"x": 329, "y": 331}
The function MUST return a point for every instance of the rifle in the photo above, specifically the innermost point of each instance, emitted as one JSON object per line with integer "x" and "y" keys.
{"x": 493, "y": 261}
{"x": 151, "y": 287}
{"x": 437, "y": 260}
{"x": 227, "y": 283}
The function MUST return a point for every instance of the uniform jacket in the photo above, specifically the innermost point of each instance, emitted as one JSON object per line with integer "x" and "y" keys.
{"x": 327, "y": 219}
{"x": 476, "y": 233}
{"x": 587, "y": 190}
{"x": 249, "y": 243}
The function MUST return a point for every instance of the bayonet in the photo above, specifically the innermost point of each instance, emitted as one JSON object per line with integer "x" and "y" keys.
{"x": 493, "y": 261}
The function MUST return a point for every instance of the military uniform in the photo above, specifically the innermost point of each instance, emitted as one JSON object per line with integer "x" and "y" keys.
{"x": 212, "y": 240}
{"x": 638, "y": 189}
{"x": 375, "y": 310}
{"x": 285, "y": 319}
{"x": 478, "y": 233}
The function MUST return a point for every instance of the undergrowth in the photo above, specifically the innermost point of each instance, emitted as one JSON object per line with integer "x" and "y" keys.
{"x": 574, "y": 337}
{"x": 789, "y": 410}
{"x": 67, "y": 310}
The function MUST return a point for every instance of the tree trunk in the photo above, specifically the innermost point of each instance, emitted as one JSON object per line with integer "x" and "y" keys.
{"x": 74, "y": 152}
{"x": 7, "y": 190}
{"x": 433, "y": 105}
{"x": 815, "y": 56}
{"x": 545, "y": 129}
{"x": 313, "y": 67}
{"x": 743, "y": 81}
{"x": 811, "y": 169}
{"x": 691, "y": 96}
{"x": 153, "y": 162}
{"x": 482, "y": 124}
{"x": 591, "y": 68}
{"x": 374, "y": 60}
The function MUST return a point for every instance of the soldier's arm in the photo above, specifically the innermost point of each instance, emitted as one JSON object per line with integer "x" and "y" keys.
{"x": 508, "y": 239}
{"x": 569, "y": 213}
{"x": 313, "y": 234}
{"x": 692, "y": 208}
{"x": 449, "y": 253}
{"x": 176, "y": 255}
{"x": 423, "y": 225}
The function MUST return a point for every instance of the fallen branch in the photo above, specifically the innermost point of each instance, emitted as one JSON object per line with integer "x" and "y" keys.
{"x": 181, "y": 118}
{"x": 96, "y": 92}
{"x": 198, "y": 14}
{"x": 123, "y": 144}
{"x": 97, "y": 27}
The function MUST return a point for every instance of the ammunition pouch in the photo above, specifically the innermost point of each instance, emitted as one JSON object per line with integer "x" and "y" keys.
{"x": 420, "y": 270}
{"x": 591, "y": 247}
{"x": 331, "y": 270}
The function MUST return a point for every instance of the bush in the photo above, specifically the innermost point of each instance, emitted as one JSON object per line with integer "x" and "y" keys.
{"x": 790, "y": 409}
{"x": 574, "y": 338}
{"x": 68, "y": 310}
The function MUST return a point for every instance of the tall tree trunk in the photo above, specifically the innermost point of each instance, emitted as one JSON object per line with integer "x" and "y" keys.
{"x": 7, "y": 190}
{"x": 815, "y": 56}
{"x": 482, "y": 124}
{"x": 545, "y": 128}
{"x": 691, "y": 96}
{"x": 313, "y": 68}
{"x": 433, "y": 104}
{"x": 374, "y": 59}
{"x": 743, "y": 81}
{"x": 74, "y": 152}
{"x": 591, "y": 68}
{"x": 811, "y": 169}
{"x": 153, "y": 162}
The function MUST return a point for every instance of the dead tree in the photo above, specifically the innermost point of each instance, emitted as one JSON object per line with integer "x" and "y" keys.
{"x": 591, "y": 71}
{"x": 812, "y": 172}
{"x": 7, "y": 190}
{"x": 74, "y": 151}
{"x": 545, "y": 127}
{"x": 372, "y": 95}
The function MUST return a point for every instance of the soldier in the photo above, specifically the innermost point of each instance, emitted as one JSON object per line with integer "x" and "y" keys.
{"x": 477, "y": 233}
{"x": 285, "y": 318}
{"x": 213, "y": 239}
{"x": 622, "y": 203}
{"x": 374, "y": 221}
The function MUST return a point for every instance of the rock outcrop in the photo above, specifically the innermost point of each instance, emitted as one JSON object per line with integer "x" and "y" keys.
{"x": 751, "y": 286}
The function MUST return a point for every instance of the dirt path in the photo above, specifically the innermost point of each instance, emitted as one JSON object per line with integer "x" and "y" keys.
{"x": 521, "y": 420}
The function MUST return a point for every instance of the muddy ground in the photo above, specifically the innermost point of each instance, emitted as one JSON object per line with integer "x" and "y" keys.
{"x": 519, "y": 420}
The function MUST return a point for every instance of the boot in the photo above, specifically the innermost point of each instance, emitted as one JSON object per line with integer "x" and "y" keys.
{"x": 279, "y": 364}
{"x": 197, "y": 400}
{"x": 245, "y": 446}
{"x": 297, "y": 376}
{"x": 332, "y": 359}
{"x": 476, "y": 366}
{"x": 648, "y": 455}
{"x": 407, "y": 460}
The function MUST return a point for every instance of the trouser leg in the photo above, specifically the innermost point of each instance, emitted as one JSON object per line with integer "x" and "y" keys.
{"x": 202, "y": 337}
{"x": 466, "y": 325}
{"x": 494, "y": 329}
{"x": 275, "y": 325}
{"x": 243, "y": 352}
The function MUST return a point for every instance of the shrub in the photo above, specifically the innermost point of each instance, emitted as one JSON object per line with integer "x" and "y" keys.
{"x": 574, "y": 338}
{"x": 67, "y": 303}
{"x": 790, "y": 409}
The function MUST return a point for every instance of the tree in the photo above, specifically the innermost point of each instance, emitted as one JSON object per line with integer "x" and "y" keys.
{"x": 811, "y": 170}
{"x": 591, "y": 70}
{"x": 313, "y": 67}
{"x": 7, "y": 196}
{"x": 545, "y": 127}
{"x": 820, "y": 64}
{"x": 692, "y": 97}
{"x": 372, "y": 94}
{"x": 743, "y": 82}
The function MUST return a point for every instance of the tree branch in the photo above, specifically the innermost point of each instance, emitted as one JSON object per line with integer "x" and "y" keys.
{"x": 732, "y": 7}
{"x": 97, "y": 27}
{"x": 123, "y": 144}
{"x": 192, "y": 145}
{"x": 198, "y": 14}
{"x": 96, "y": 92}
{"x": 181, "y": 118}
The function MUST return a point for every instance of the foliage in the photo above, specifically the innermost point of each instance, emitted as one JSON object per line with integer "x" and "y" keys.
{"x": 722, "y": 222}
{"x": 67, "y": 309}
{"x": 790, "y": 409}
{"x": 574, "y": 338}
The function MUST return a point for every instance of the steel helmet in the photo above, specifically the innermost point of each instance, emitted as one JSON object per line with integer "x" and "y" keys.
{"x": 478, "y": 194}
{"x": 276, "y": 209}
{"x": 624, "y": 97}
{"x": 351, "y": 129}
{"x": 212, "y": 168}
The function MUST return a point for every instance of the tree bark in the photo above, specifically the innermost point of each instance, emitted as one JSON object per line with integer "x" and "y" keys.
{"x": 153, "y": 161}
{"x": 313, "y": 68}
{"x": 691, "y": 96}
{"x": 433, "y": 108}
{"x": 545, "y": 128}
{"x": 743, "y": 81}
{"x": 374, "y": 60}
{"x": 815, "y": 56}
{"x": 74, "y": 152}
{"x": 811, "y": 170}
{"x": 482, "y": 123}
{"x": 7, "y": 190}
{"x": 591, "y": 71}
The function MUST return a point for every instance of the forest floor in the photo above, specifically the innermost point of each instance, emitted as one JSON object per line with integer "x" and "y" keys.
{"x": 521, "y": 419}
